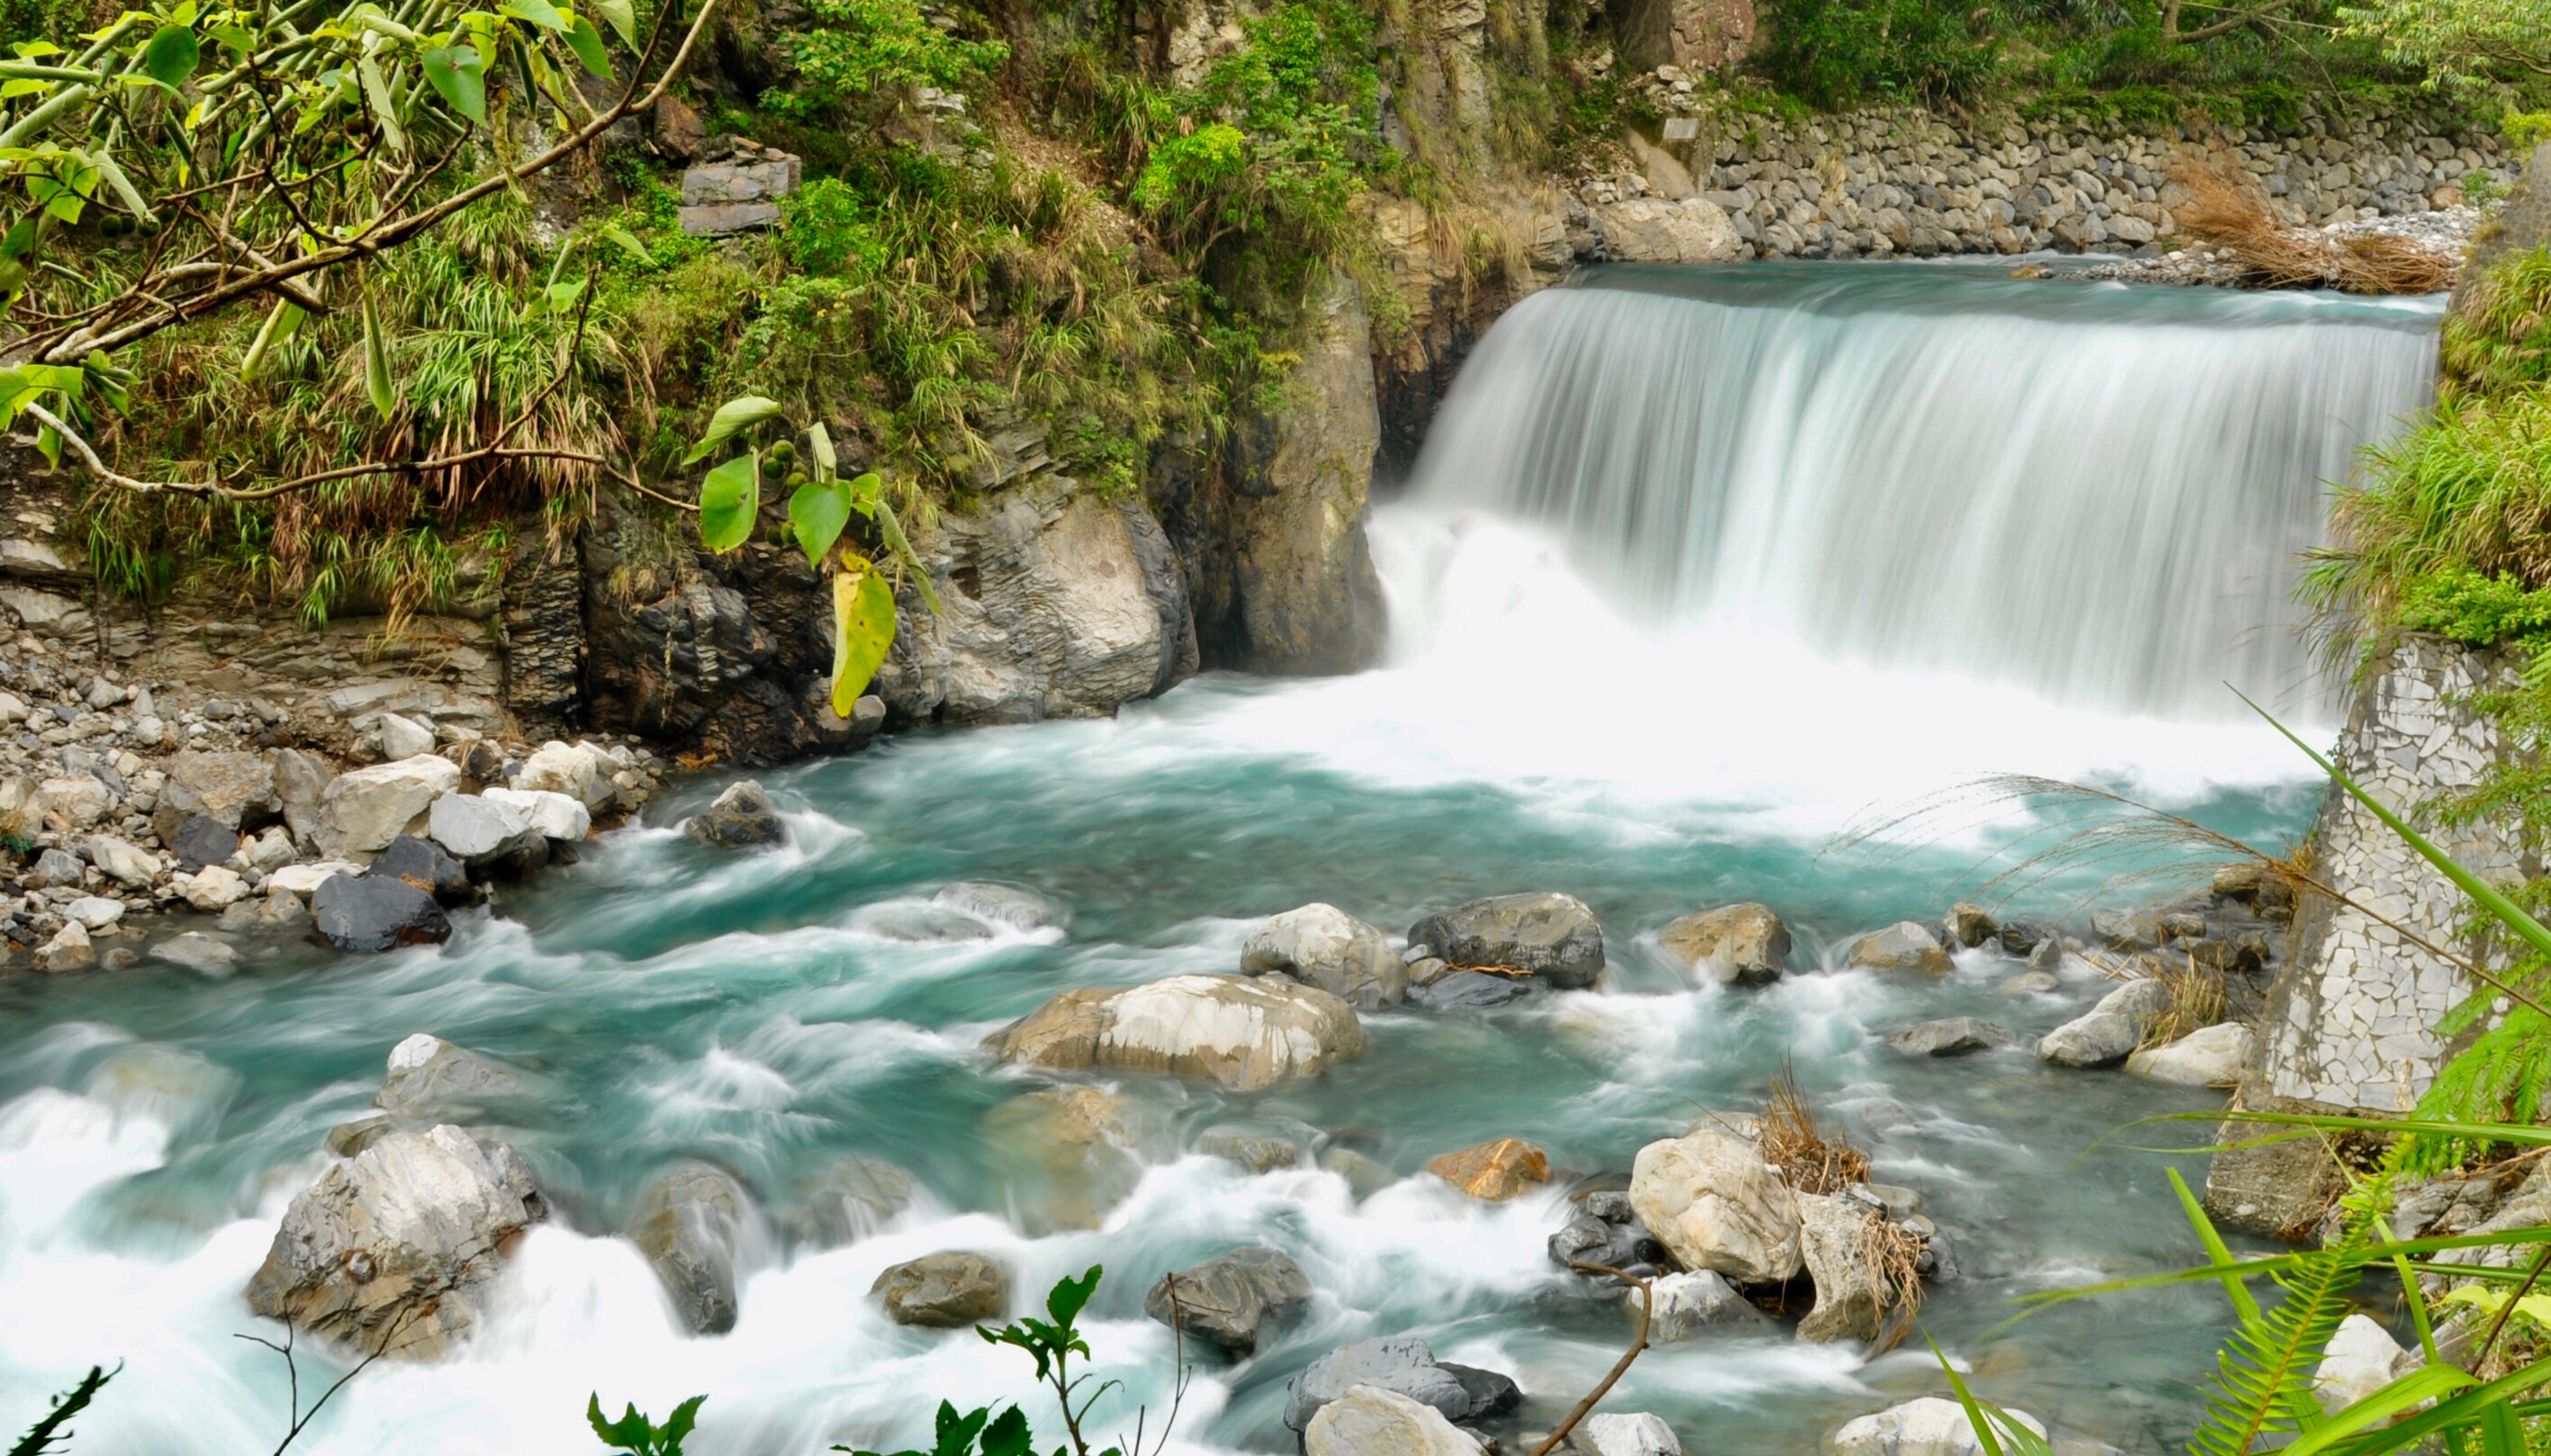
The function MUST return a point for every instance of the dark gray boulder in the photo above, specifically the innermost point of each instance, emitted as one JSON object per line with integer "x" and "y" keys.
{"x": 1491, "y": 1393}
{"x": 742, "y": 818}
{"x": 1403, "y": 1365}
{"x": 1229, "y": 1301}
{"x": 426, "y": 865}
{"x": 1553, "y": 937}
{"x": 691, "y": 1223}
{"x": 368, "y": 914}
{"x": 203, "y": 839}
{"x": 1950, "y": 1036}
{"x": 1470, "y": 990}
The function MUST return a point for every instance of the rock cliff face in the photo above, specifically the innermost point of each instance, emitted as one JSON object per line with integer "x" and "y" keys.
{"x": 2348, "y": 1023}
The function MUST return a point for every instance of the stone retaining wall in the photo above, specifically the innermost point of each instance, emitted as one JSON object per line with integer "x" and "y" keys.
{"x": 2349, "y": 1025}
{"x": 1878, "y": 183}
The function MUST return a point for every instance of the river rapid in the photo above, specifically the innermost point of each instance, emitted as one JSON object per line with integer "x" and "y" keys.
{"x": 1569, "y": 703}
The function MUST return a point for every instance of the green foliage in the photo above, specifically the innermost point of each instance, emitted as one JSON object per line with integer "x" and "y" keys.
{"x": 2500, "y": 341}
{"x": 2263, "y": 1380}
{"x": 635, "y": 1435}
{"x": 52, "y": 1430}
{"x": 2469, "y": 488}
{"x": 2483, "y": 611}
{"x": 858, "y": 48}
{"x": 826, "y": 228}
{"x": 2463, "y": 42}
{"x": 1839, "y": 54}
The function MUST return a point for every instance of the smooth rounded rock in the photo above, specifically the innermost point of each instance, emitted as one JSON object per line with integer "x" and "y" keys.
{"x": 1745, "y": 943}
{"x": 198, "y": 952}
{"x": 1403, "y": 1365}
{"x": 1494, "y": 1171}
{"x": 692, "y": 1224}
{"x": 370, "y": 913}
{"x": 1244, "y": 1033}
{"x": 944, "y": 1290}
{"x": 2210, "y": 1056}
{"x": 742, "y": 818}
{"x": 1229, "y": 1300}
{"x": 1322, "y": 946}
{"x": 1906, "y": 945}
{"x": 1714, "y": 1204}
{"x": 1004, "y": 906}
{"x": 1370, "y": 1421}
{"x": 1950, "y": 1036}
{"x": 1552, "y": 937}
{"x": 1928, "y": 1427}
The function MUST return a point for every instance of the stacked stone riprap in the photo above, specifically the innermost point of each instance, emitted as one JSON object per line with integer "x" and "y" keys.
{"x": 1880, "y": 183}
{"x": 2350, "y": 1023}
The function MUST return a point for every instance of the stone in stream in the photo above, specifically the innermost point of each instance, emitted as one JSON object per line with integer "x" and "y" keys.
{"x": 1614, "y": 1244}
{"x": 1248, "y": 1034}
{"x": 479, "y": 831}
{"x": 557, "y": 816}
{"x": 2022, "y": 938}
{"x": 69, "y": 950}
{"x": 1065, "y": 1155}
{"x": 692, "y": 1224}
{"x": 203, "y": 839}
{"x": 2210, "y": 1056}
{"x": 2361, "y": 1358}
{"x": 1552, "y": 937}
{"x": 433, "y": 1079}
{"x": 944, "y": 1290}
{"x": 1322, "y": 946}
{"x": 1373, "y": 1420}
{"x": 2110, "y": 1031}
{"x": 1496, "y": 1171}
{"x": 1950, "y": 1036}
{"x": 1259, "y": 1151}
{"x": 1714, "y": 1204}
{"x": 1403, "y": 1365}
{"x": 94, "y": 912}
{"x": 198, "y": 952}
{"x": 1928, "y": 1427}
{"x": 363, "y": 810}
{"x": 424, "y": 864}
{"x": 1691, "y": 1302}
{"x": 1849, "y": 1305}
{"x": 850, "y": 1200}
{"x": 1745, "y": 943}
{"x": 368, "y": 914}
{"x": 742, "y": 818}
{"x": 390, "y": 1250}
{"x": 998, "y": 904}
{"x": 1470, "y": 990}
{"x": 1970, "y": 926}
{"x": 1634, "y": 1433}
{"x": 2030, "y": 983}
{"x": 1906, "y": 945}
{"x": 1229, "y": 1300}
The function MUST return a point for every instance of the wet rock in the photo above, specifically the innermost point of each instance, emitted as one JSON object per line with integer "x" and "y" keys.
{"x": 1691, "y": 1302}
{"x": 1714, "y": 1204}
{"x": 2210, "y": 1056}
{"x": 1950, "y": 1036}
{"x": 1616, "y": 1244}
{"x": 579, "y": 771}
{"x": 203, "y": 839}
{"x": 1066, "y": 1154}
{"x": 431, "y": 1080}
{"x": 2030, "y": 983}
{"x": 1470, "y": 990}
{"x": 1257, "y": 1151}
{"x": 69, "y": 950}
{"x": 2360, "y": 1359}
{"x": 1970, "y": 926}
{"x": 998, "y": 904}
{"x": 1231, "y": 1299}
{"x": 1735, "y": 942}
{"x": 2022, "y": 938}
{"x": 2109, "y": 1031}
{"x": 555, "y": 814}
{"x": 1636, "y": 1433}
{"x": 370, "y": 914}
{"x": 1248, "y": 1034}
{"x": 212, "y": 889}
{"x": 691, "y": 1225}
{"x": 1404, "y": 1365}
{"x": 198, "y": 952}
{"x": 1322, "y": 946}
{"x": 1929, "y": 1427}
{"x": 348, "y": 1138}
{"x": 1493, "y": 1172}
{"x": 94, "y": 912}
{"x": 1906, "y": 945}
{"x": 944, "y": 1290}
{"x": 1849, "y": 1303}
{"x": 478, "y": 829}
{"x": 424, "y": 864}
{"x": 1553, "y": 937}
{"x": 1370, "y": 1421}
{"x": 2049, "y": 955}
{"x": 923, "y": 923}
{"x": 852, "y": 1199}
{"x": 363, "y": 810}
{"x": 742, "y": 818}
{"x": 1364, "y": 1176}
{"x": 1492, "y": 1393}
{"x": 393, "y": 1247}
{"x": 2120, "y": 930}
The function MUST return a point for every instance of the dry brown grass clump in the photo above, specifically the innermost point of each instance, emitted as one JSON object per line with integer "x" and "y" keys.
{"x": 2198, "y": 999}
{"x": 1892, "y": 1253}
{"x": 1803, "y": 1155}
{"x": 2228, "y": 211}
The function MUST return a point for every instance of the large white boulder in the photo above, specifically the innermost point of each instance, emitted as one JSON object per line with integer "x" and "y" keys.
{"x": 1655, "y": 230}
{"x": 391, "y": 1249}
{"x": 1929, "y": 1427}
{"x": 2110, "y": 1031}
{"x": 1247, "y": 1034}
{"x": 1369, "y": 1421}
{"x": 363, "y": 810}
{"x": 581, "y": 771}
{"x": 476, "y": 828}
{"x": 122, "y": 862}
{"x": 1322, "y": 946}
{"x": 1629, "y": 1433}
{"x": 2362, "y": 1358}
{"x": 2210, "y": 1056}
{"x": 1714, "y": 1204}
{"x": 557, "y": 816}
{"x": 69, "y": 805}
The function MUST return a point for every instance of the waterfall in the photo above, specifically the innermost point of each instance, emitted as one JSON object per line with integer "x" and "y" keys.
{"x": 2098, "y": 493}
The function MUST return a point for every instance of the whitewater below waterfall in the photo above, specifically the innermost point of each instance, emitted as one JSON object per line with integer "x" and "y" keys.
{"x": 1606, "y": 676}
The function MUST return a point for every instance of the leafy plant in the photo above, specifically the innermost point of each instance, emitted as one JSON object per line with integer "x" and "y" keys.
{"x": 860, "y": 47}
{"x": 49, "y": 1433}
{"x": 636, "y": 1435}
{"x": 1836, "y": 53}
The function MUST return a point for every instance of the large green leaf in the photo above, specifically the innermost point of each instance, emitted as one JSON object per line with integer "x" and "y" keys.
{"x": 377, "y": 360}
{"x": 538, "y": 12}
{"x": 738, "y": 414}
{"x": 729, "y": 499}
{"x": 171, "y": 56}
{"x": 459, "y": 75}
{"x": 2243, "y": 1302}
{"x": 862, "y": 631}
{"x": 587, "y": 42}
{"x": 817, "y": 513}
{"x": 620, "y": 15}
